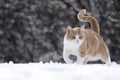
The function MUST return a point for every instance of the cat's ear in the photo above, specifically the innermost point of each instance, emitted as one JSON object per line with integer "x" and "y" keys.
{"x": 69, "y": 28}
{"x": 82, "y": 27}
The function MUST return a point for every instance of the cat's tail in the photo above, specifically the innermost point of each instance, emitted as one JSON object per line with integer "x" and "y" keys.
{"x": 93, "y": 22}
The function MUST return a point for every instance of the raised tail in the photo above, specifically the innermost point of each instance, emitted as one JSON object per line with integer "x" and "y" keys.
{"x": 93, "y": 22}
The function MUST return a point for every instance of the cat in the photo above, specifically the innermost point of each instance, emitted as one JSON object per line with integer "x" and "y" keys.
{"x": 85, "y": 44}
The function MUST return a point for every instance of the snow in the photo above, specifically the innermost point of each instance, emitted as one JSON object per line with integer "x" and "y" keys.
{"x": 58, "y": 71}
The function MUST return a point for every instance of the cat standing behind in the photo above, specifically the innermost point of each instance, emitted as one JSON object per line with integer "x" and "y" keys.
{"x": 86, "y": 44}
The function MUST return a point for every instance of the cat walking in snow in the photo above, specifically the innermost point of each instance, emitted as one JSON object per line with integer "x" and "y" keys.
{"x": 86, "y": 44}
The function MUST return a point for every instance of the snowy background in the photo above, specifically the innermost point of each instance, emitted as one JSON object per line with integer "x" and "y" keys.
{"x": 33, "y": 30}
{"x": 58, "y": 71}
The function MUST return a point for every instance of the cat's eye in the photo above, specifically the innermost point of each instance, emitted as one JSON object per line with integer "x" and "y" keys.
{"x": 80, "y": 37}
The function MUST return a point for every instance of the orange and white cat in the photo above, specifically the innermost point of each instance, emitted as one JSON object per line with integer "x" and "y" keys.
{"x": 86, "y": 44}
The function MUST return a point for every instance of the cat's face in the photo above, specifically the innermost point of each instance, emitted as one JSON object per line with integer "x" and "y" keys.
{"x": 74, "y": 35}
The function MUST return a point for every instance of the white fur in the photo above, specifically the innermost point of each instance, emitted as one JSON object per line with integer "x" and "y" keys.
{"x": 93, "y": 58}
{"x": 72, "y": 47}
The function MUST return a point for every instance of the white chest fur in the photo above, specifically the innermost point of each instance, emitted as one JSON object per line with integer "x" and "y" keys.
{"x": 72, "y": 46}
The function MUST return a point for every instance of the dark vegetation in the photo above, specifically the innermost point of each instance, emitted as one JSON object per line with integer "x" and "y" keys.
{"x": 33, "y": 30}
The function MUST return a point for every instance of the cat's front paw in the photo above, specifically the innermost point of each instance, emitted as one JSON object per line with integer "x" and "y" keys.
{"x": 69, "y": 62}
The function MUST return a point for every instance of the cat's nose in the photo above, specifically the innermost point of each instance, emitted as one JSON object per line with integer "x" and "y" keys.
{"x": 77, "y": 41}
{"x": 77, "y": 37}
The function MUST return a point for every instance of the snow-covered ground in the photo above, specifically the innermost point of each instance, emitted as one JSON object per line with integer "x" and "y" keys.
{"x": 59, "y": 71}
